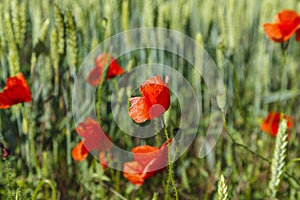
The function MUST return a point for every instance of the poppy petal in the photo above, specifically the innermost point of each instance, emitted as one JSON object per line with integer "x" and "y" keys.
{"x": 144, "y": 154}
{"x": 16, "y": 91}
{"x": 4, "y": 101}
{"x": 271, "y": 123}
{"x": 286, "y": 17}
{"x": 103, "y": 160}
{"x": 79, "y": 152}
{"x": 114, "y": 69}
{"x": 94, "y": 136}
{"x": 158, "y": 164}
{"x": 139, "y": 109}
{"x": 95, "y": 76}
{"x": 287, "y": 22}
{"x": 151, "y": 88}
{"x": 132, "y": 171}
{"x": 154, "y": 102}
{"x": 273, "y": 32}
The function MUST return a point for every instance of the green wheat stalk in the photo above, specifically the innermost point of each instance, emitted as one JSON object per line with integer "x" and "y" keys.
{"x": 148, "y": 13}
{"x": 44, "y": 30}
{"x": 60, "y": 26}
{"x": 222, "y": 189}
{"x": 16, "y": 24}
{"x": 72, "y": 43}
{"x": 55, "y": 57}
{"x": 23, "y": 23}
{"x": 278, "y": 160}
{"x": 13, "y": 56}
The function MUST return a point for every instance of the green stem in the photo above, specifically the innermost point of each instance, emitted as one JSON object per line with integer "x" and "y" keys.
{"x": 18, "y": 194}
{"x": 284, "y": 73}
{"x": 117, "y": 181}
{"x": 240, "y": 144}
{"x": 99, "y": 90}
{"x": 170, "y": 169}
{"x": 39, "y": 186}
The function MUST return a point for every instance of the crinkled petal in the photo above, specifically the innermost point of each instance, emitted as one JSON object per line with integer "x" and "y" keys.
{"x": 139, "y": 109}
{"x": 151, "y": 88}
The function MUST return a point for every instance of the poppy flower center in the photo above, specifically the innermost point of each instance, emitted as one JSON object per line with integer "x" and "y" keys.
{"x": 156, "y": 110}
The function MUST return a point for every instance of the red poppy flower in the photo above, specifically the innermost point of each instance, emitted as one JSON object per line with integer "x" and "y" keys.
{"x": 271, "y": 123}
{"x": 94, "y": 138}
{"x": 287, "y": 23}
{"x": 101, "y": 62}
{"x": 154, "y": 102}
{"x": 79, "y": 152}
{"x": 16, "y": 91}
{"x": 148, "y": 161}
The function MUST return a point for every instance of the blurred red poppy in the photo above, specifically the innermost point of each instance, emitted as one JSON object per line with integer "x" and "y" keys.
{"x": 79, "y": 152}
{"x": 16, "y": 91}
{"x": 271, "y": 123}
{"x": 287, "y": 23}
{"x": 94, "y": 138}
{"x": 101, "y": 62}
{"x": 154, "y": 102}
{"x": 148, "y": 161}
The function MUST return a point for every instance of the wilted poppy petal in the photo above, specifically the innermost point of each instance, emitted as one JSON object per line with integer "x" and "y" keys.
{"x": 133, "y": 171}
{"x": 144, "y": 154}
{"x": 79, "y": 152}
{"x": 139, "y": 109}
{"x": 16, "y": 91}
